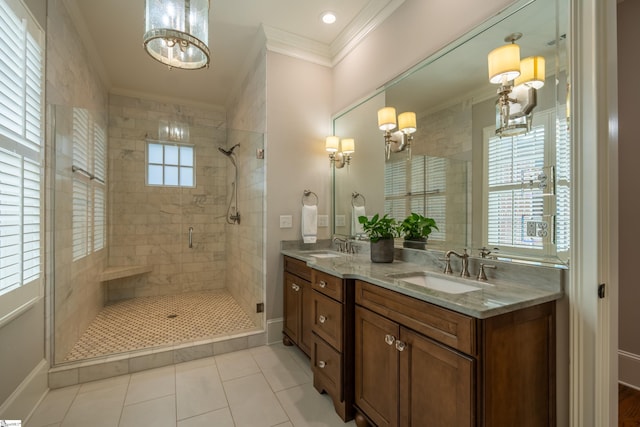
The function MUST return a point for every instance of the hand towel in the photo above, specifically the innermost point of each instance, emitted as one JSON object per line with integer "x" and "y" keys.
{"x": 309, "y": 223}
{"x": 358, "y": 211}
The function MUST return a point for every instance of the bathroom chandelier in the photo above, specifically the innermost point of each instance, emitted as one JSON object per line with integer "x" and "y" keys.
{"x": 519, "y": 81}
{"x": 177, "y": 32}
{"x": 400, "y": 140}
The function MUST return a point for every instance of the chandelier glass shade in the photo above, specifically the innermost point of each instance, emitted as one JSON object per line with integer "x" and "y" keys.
{"x": 177, "y": 32}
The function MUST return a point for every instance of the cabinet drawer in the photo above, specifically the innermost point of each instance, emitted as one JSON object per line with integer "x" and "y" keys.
{"x": 326, "y": 363}
{"x": 297, "y": 267}
{"x": 327, "y": 320}
{"x": 448, "y": 327}
{"x": 327, "y": 284}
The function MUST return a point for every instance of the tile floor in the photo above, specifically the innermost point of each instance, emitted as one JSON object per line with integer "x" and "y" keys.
{"x": 268, "y": 386}
{"x": 154, "y": 321}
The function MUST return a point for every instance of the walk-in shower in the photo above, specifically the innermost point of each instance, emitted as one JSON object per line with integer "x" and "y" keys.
{"x": 233, "y": 213}
{"x": 141, "y": 266}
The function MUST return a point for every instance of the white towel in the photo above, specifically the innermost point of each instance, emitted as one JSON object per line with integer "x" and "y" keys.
{"x": 309, "y": 223}
{"x": 358, "y": 211}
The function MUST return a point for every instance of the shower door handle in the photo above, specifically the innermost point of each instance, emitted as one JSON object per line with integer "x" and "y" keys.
{"x": 190, "y": 237}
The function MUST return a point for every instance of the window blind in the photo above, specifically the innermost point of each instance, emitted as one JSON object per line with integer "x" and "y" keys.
{"x": 21, "y": 99}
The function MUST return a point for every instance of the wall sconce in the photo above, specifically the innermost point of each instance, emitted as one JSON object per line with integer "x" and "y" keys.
{"x": 400, "y": 140}
{"x": 340, "y": 158}
{"x": 519, "y": 81}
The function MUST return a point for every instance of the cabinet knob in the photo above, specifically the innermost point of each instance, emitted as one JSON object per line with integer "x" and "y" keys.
{"x": 400, "y": 346}
{"x": 322, "y": 318}
{"x": 295, "y": 287}
{"x": 389, "y": 339}
{"x": 321, "y": 364}
{"x": 322, "y": 284}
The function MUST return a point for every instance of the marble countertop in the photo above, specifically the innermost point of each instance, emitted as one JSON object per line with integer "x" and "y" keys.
{"x": 490, "y": 299}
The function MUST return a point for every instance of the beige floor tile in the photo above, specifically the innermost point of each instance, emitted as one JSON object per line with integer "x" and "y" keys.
{"x": 281, "y": 368}
{"x": 220, "y": 418}
{"x": 53, "y": 407}
{"x": 235, "y": 365}
{"x": 198, "y": 389}
{"x": 157, "y": 413}
{"x": 97, "y": 407}
{"x": 253, "y": 403}
{"x": 152, "y": 384}
{"x": 308, "y": 408}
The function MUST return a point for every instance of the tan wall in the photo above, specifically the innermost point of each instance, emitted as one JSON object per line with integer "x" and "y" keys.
{"x": 149, "y": 225}
{"x": 71, "y": 82}
{"x": 629, "y": 153}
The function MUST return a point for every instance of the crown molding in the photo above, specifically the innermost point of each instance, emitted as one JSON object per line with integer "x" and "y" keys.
{"x": 296, "y": 46}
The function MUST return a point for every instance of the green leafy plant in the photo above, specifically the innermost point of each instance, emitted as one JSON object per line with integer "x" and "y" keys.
{"x": 378, "y": 228}
{"x": 416, "y": 226}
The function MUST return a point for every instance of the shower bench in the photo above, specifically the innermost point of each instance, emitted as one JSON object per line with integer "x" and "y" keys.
{"x": 112, "y": 273}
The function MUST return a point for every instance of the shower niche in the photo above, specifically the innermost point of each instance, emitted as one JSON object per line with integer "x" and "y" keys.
{"x": 147, "y": 253}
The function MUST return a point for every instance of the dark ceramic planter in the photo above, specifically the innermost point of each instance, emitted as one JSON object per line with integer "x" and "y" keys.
{"x": 415, "y": 243}
{"x": 382, "y": 251}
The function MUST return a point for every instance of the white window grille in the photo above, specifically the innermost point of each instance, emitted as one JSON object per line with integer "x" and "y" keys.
{"x": 170, "y": 165}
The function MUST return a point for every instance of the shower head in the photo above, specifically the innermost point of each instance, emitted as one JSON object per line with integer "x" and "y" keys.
{"x": 228, "y": 152}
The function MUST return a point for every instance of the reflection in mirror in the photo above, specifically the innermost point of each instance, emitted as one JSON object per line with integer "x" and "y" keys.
{"x": 507, "y": 189}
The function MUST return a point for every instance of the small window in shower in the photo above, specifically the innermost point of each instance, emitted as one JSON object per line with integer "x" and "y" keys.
{"x": 170, "y": 165}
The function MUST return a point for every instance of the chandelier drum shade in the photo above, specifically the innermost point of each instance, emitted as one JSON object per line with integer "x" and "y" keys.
{"x": 177, "y": 32}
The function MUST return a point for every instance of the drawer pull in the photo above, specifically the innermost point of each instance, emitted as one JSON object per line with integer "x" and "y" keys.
{"x": 389, "y": 339}
{"x": 400, "y": 345}
{"x": 322, "y": 318}
{"x": 295, "y": 287}
{"x": 321, "y": 364}
{"x": 322, "y": 284}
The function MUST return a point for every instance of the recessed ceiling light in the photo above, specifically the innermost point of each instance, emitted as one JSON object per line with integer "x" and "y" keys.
{"x": 328, "y": 17}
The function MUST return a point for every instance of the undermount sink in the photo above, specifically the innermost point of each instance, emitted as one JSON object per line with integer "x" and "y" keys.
{"x": 426, "y": 280}
{"x": 324, "y": 254}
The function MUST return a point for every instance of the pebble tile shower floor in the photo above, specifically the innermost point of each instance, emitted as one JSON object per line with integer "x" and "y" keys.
{"x": 154, "y": 321}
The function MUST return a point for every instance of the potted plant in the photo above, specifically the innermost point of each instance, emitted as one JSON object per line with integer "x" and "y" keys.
{"x": 416, "y": 229}
{"x": 381, "y": 232}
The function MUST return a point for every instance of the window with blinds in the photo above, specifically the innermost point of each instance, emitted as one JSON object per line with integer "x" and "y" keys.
{"x": 21, "y": 124}
{"x": 88, "y": 200}
{"x": 517, "y": 169}
{"x": 417, "y": 186}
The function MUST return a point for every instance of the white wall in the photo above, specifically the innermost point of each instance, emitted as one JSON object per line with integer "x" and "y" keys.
{"x": 298, "y": 119}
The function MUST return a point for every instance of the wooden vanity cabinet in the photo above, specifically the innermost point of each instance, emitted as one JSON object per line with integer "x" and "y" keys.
{"x": 417, "y": 364}
{"x": 297, "y": 293}
{"x": 332, "y": 346}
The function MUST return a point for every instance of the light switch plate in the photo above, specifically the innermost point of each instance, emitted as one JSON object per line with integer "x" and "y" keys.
{"x": 286, "y": 221}
{"x": 340, "y": 221}
{"x": 323, "y": 220}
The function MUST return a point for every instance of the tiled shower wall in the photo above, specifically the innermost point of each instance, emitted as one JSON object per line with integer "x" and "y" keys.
{"x": 71, "y": 82}
{"x": 149, "y": 225}
{"x": 245, "y": 241}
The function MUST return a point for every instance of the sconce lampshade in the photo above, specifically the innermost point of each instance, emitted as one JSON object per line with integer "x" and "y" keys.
{"x": 387, "y": 118}
{"x": 348, "y": 145}
{"x": 177, "y": 32}
{"x": 504, "y": 61}
{"x": 332, "y": 144}
{"x": 531, "y": 72}
{"x": 407, "y": 122}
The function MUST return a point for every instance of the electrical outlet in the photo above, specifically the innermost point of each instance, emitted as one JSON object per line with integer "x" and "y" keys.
{"x": 286, "y": 221}
{"x": 531, "y": 228}
{"x": 323, "y": 220}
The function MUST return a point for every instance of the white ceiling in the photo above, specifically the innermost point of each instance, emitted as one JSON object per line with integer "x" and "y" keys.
{"x": 115, "y": 27}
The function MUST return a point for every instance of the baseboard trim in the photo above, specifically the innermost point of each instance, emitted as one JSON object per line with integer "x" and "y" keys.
{"x": 274, "y": 330}
{"x": 629, "y": 369}
{"x": 26, "y": 397}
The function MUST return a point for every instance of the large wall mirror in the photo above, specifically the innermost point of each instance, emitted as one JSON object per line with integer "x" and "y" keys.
{"x": 507, "y": 191}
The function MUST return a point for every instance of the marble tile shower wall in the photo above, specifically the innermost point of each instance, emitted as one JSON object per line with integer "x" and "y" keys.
{"x": 71, "y": 80}
{"x": 245, "y": 242}
{"x": 149, "y": 225}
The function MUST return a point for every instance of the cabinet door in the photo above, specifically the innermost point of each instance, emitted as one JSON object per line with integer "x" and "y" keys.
{"x": 436, "y": 384}
{"x": 376, "y": 367}
{"x": 306, "y": 317}
{"x": 292, "y": 306}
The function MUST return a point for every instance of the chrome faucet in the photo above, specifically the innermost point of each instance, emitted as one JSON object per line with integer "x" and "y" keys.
{"x": 465, "y": 263}
{"x": 344, "y": 245}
